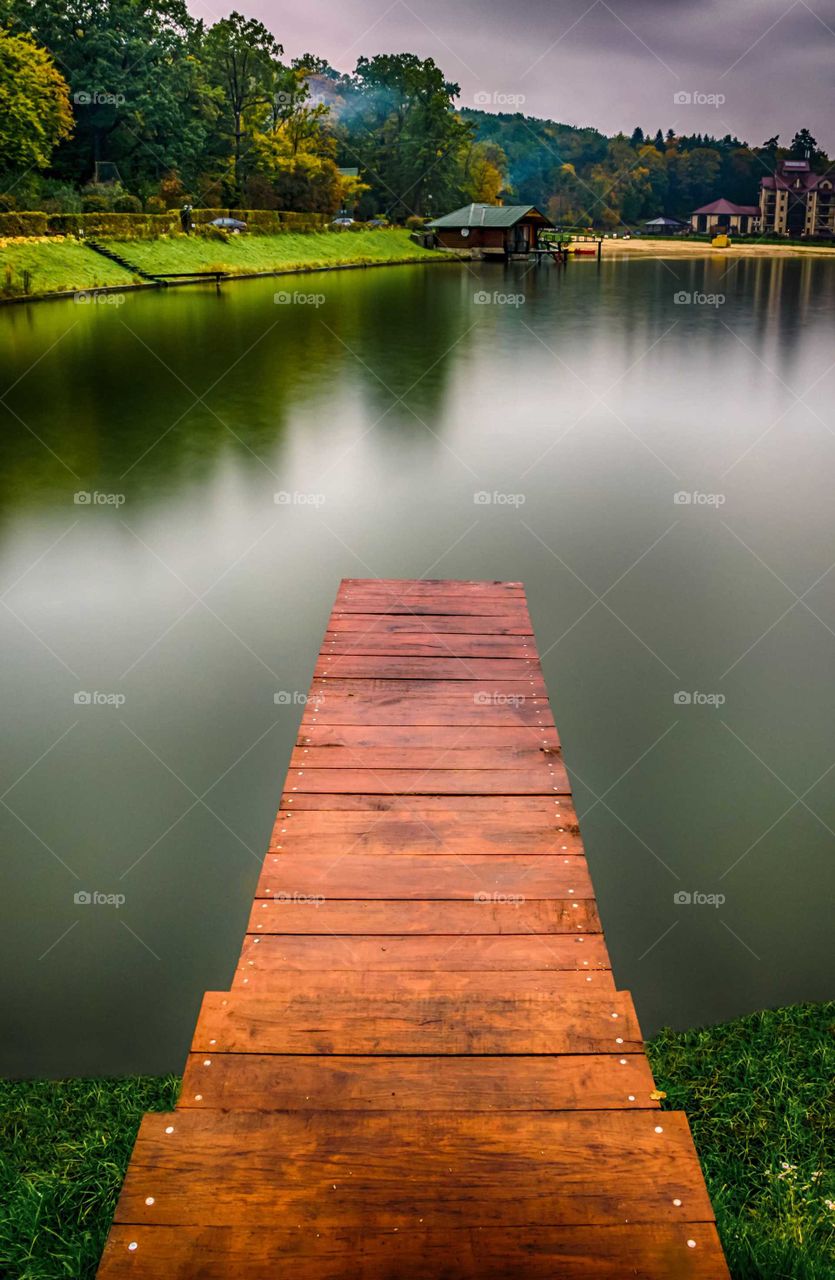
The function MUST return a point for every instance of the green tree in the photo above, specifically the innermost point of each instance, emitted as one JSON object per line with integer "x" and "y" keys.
{"x": 35, "y": 110}
{"x": 243, "y": 61}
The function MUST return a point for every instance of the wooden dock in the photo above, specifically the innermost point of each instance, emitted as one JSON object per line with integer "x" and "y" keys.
{"x": 423, "y": 1068}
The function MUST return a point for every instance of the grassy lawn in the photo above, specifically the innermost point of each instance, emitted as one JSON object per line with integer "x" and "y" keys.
{"x": 245, "y": 254}
{"x": 55, "y": 265}
{"x": 758, "y": 1094}
{"x": 755, "y": 1091}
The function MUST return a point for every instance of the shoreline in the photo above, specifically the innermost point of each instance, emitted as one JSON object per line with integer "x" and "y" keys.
{"x": 699, "y": 249}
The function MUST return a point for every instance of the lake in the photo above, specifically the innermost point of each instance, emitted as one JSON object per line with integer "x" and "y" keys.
{"x": 649, "y": 446}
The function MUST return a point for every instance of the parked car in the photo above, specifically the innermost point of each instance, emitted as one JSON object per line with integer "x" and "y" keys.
{"x": 376, "y": 223}
{"x": 228, "y": 224}
{"x": 342, "y": 222}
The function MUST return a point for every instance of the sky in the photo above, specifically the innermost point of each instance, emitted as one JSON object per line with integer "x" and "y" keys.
{"x": 751, "y": 68}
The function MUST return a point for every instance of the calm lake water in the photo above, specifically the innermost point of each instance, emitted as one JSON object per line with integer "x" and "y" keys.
{"x": 380, "y": 404}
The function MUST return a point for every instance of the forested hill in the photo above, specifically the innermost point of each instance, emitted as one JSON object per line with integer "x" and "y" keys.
{"x": 580, "y": 175}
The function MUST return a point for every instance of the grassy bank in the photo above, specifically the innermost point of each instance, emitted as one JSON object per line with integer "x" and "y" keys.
{"x": 755, "y": 1091}
{"x": 55, "y": 265}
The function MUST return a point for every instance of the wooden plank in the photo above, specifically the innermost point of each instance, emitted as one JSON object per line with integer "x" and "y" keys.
{"x": 533, "y": 759}
{"x": 427, "y": 645}
{"x": 452, "y": 782}
{"x": 351, "y": 666}
{"x": 494, "y": 586}
{"x": 444, "y": 711}
{"x": 475, "y": 606}
{"x": 455, "y": 624}
{"x": 376, "y": 802}
{"x": 289, "y": 915}
{"x": 663, "y": 1251}
{"x": 435, "y": 737}
{"x": 411, "y": 834}
{"x": 411, "y": 952}
{"x": 248, "y": 1022}
{"x": 325, "y": 1169}
{"x": 385, "y": 985}
{"x": 430, "y": 876}
{"x": 295, "y": 1082}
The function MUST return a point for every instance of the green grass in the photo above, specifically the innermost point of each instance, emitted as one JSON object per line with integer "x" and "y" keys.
{"x": 755, "y": 1090}
{"x": 54, "y": 266}
{"x": 758, "y": 1093}
{"x": 57, "y": 265}
{"x": 246, "y": 254}
{"x": 64, "y": 1148}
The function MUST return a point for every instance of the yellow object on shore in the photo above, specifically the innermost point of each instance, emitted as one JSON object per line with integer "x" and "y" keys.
{"x": 721, "y": 242}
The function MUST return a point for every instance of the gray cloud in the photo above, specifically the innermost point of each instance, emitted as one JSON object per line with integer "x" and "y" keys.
{"x": 608, "y": 63}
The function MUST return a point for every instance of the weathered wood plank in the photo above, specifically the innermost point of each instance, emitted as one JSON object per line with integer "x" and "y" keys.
{"x": 425, "y": 876}
{"x": 353, "y": 666}
{"x": 662, "y": 1251}
{"x": 533, "y": 759}
{"x": 257, "y": 1022}
{"x": 455, "y": 624}
{"x": 526, "y": 1169}
{"x": 289, "y": 915}
{"x": 423, "y": 781}
{"x": 385, "y": 985}
{"x": 411, "y": 952}
{"x": 377, "y": 802}
{"x": 434, "y": 737}
{"x": 511, "y": 1082}
{"x": 427, "y": 645}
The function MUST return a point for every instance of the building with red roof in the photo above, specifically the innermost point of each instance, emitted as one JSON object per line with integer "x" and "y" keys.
{"x": 725, "y": 216}
{"x": 796, "y": 202}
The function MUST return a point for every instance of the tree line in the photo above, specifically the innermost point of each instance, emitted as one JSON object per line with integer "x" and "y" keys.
{"x": 118, "y": 104}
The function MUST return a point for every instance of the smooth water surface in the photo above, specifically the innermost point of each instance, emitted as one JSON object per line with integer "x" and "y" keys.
{"x": 383, "y": 406}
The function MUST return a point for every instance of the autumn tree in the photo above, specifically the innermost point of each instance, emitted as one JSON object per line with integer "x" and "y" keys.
{"x": 35, "y": 112}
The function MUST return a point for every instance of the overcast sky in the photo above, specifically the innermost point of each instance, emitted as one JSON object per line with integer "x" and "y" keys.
{"x": 609, "y": 64}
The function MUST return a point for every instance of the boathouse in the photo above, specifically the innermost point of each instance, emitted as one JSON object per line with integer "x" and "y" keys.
{"x": 724, "y": 215}
{"x": 490, "y": 230}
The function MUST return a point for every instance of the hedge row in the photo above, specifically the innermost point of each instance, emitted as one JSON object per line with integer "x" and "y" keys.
{"x": 141, "y": 226}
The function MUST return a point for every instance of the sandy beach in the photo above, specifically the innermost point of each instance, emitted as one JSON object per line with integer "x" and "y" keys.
{"x": 652, "y": 248}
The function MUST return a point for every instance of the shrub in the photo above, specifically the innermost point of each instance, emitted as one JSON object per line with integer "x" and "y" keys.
{"x": 155, "y": 204}
{"x": 414, "y": 223}
{"x": 23, "y": 224}
{"x": 95, "y": 204}
{"x": 127, "y": 204}
{"x": 7, "y": 203}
